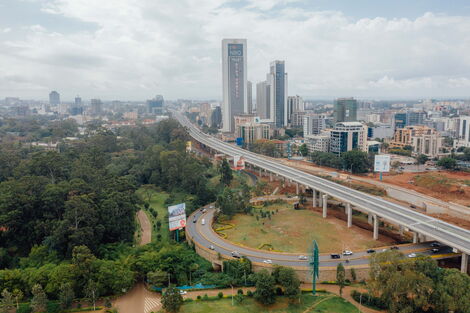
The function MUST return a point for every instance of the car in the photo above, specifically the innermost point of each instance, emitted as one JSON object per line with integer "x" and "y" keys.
{"x": 235, "y": 254}
{"x": 371, "y": 251}
{"x": 394, "y": 248}
{"x": 413, "y": 206}
{"x": 435, "y": 244}
{"x": 268, "y": 261}
{"x": 203, "y": 222}
{"x": 302, "y": 257}
{"x": 335, "y": 256}
{"x": 412, "y": 255}
{"x": 194, "y": 220}
{"x": 384, "y": 249}
{"x": 347, "y": 252}
{"x": 211, "y": 247}
{"x": 204, "y": 210}
{"x": 182, "y": 292}
{"x": 434, "y": 250}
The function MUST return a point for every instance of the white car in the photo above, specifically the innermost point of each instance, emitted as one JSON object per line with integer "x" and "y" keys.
{"x": 211, "y": 247}
{"x": 412, "y": 255}
{"x": 182, "y": 292}
{"x": 302, "y": 257}
{"x": 268, "y": 261}
{"x": 347, "y": 252}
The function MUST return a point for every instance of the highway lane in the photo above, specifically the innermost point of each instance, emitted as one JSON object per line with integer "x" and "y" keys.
{"x": 206, "y": 236}
{"x": 446, "y": 233}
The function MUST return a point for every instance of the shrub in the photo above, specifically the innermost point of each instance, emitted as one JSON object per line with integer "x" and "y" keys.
{"x": 249, "y": 293}
{"x": 368, "y": 300}
{"x": 279, "y": 291}
{"x": 240, "y": 291}
{"x": 199, "y": 297}
{"x": 24, "y": 308}
{"x": 53, "y": 307}
{"x": 206, "y": 297}
{"x": 220, "y": 295}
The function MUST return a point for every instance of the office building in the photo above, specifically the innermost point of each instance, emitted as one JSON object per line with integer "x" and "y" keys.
{"x": 96, "y": 107}
{"x": 347, "y": 136}
{"x": 216, "y": 117}
{"x": 297, "y": 119}
{"x": 155, "y": 105}
{"x": 249, "y": 92}
{"x": 409, "y": 118}
{"x": 76, "y": 108}
{"x": 263, "y": 101}
{"x": 295, "y": 104}
{"x": 314, "y": 124}
{"x": 422, "y": 139}
{"x": 248, "y": 127}
{"x": 319, "y": 143}
{"x": 380, "y": 131}
{"x": 345, "y": 110}
{"x": 463, "y": 132}
{"x": 54, "y": 98}
{"x": 278, "y": 82}
{"x": 234, "y": 82}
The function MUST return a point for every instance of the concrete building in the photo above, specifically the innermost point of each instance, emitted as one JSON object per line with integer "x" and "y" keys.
{"x": 295, "y": 104}
{"x": 409, "y": 118}
{"x": 313, "y": 124}
{"x": 263, "y": 100}
{"x": 345, "y": 110}
{"x": 297, "y": 119}
{"x": 463, "y": 133}
{"x": 54, "y": 98}
{"x": 319, "y": 142}
{"x": 216, "y": 117}
{"x": 96, "y": 107}
{"x": 155, "y": 105}
{"x": 348, "y": 136}
{"x": 422, "y": 139}
{"x": 248, "y": 127}
{"x": 249, "y": 92}
{"x": 76, "y": 108}
{"x": 234, "y": 81}
{"x": 381, "y": 131}
{"x": 278, "y": 82}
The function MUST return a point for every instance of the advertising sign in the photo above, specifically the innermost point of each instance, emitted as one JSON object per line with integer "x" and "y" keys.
{"x": 382, "y": 163}
{"x": 189, "y": 146}
{"x": 238, "y": 163}
{"x": 177, "y": 216}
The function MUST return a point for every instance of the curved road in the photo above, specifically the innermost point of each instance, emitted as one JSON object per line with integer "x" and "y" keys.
{"x": 206, "y": 237}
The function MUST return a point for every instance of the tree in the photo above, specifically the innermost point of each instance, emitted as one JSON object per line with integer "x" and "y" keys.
{"x": 447, "y": 163}
{"x": 66, "y": 295}
{"x": 302, "y": 198}
{"x": 18, "y": 296}
{"x": 265, "y": 292}
{"x": 92, "y": 292}
{"x": 39, "y": 300}
{"x": 7, "y": 301}
{"x": 353, "y": 274}
{"x": 340, "y": 277}
{"x": 157, "y": 278}
{"x": 172, "y": 300}
{"x": 422, "y": 158}
{"x": 287, "y": 278}
{"x": 303, "y": 150}
{"x": 148, "y": 191}
{"x": 356, "y": 161}
{"x": 226, "y": 174}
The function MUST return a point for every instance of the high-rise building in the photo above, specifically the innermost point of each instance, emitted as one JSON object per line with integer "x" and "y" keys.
{"x": 295, "y": 104}
{"x": 216, "y": 117}
{"x": 278, "y": 81}
{"x": 345, "y": 110}
{"x": 78, "y": 101}
{"x": 422, "y": 139}
{"x": 76, "y": 108}
{"x": 54, "y": 98}
{"x": 263, "y": 101}
{"x": 409, "y": 118}
{"x": 314, "y": 124}
{"x": 96, "y": 107}
{"x": 249, "y": 92}
{"x": 347, "y": 136}
{"x": 234, "y": 82}
{"x": 155, "y": 105}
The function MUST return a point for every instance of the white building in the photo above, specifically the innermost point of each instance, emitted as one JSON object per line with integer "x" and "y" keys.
{"x": 263, "y": 101}
{"x": 347, "y": 136}
{"x": 319, "y": 142}
{"x": 234, "y": 81}
{"x": 381, "y": 131}
{"x": 463, "y": 136}
{"x": 314, "y": 124}
{"x": 248, "y": 127}
{"x": 295, "y": 104}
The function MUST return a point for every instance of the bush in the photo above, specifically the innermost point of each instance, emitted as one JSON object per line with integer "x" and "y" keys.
{"x": 220, "y": 295}
{"x": 199, "y": 297}
{"x": 240, "y": 291}
{"x": 368, "y": 300}
{"x": 24, "y": 308}
{"x": 206, "y": 297}
{"x": 249, "y": 293}
{"x": 279, "y": 291}
{"x": 53, "y": 307}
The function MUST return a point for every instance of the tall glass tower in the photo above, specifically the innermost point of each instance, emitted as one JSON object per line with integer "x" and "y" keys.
{"x": 278, "y": 82}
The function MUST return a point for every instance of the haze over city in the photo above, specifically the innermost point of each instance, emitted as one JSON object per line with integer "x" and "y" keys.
{"x": 134, "y": 49}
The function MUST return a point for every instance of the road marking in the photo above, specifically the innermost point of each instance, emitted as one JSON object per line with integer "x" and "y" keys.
{"x": 151, "y": 304}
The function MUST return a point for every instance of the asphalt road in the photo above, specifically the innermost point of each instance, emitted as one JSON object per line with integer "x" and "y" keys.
{"x": 445, "y": 233}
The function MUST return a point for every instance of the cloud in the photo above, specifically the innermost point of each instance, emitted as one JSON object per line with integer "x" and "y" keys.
{"x": 146, "y": 47}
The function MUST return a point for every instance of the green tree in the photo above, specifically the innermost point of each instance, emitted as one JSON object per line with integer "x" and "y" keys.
{"x": 157, "y": 278}
{"x": 303, "y": 150}
{"x": 18, "y": 296}
{"x": 340, "y": 277}
{"x": 172, "y": 300}
{"x": 447, "y": 163}
{"x": 287, "y": 278}
{"x": 39, "y": 300}
{"x": 66, "y": 295}
{"x": 7, "y": 301}
{"x": 225, "y": 171}
{"x": 356, "y": 161}
{"x": 265, "y": 284}
{"x": 422, "y": 158}
{"x": 92, "y": 292}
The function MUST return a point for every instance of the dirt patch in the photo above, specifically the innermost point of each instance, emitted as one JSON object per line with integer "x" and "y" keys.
{"x": 146, "y": 228}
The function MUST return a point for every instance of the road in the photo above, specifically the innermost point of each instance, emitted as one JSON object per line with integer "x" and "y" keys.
{"x": 445, "y": 233}
{"x": 146, "y": 228}
{"x": 206, "y": 237}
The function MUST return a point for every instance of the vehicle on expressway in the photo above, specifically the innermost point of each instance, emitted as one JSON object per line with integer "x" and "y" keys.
{"x": 394, "y": 248}
{"x": 412, "y": 255}
{"x": 211, "y": 247}
{"x": 347, "y": 252}
{"x": 302, "y": 257}
{"x": 203, "y": 222}
{"x": 335, "y": 256}
{"x": 371, "y": 251}
{"x": 268, "y": 261}
{"x": 236, "y": 254}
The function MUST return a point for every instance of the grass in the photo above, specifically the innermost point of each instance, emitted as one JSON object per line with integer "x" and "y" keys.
{"x": 331, "y": 305}
{"x": 292, "y": 230}
{"x": 157, "y": 203}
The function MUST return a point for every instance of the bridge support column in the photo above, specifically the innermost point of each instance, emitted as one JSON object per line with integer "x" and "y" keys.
{"x": 349, "y": 213}
{"x": 296, "y": 188}
{"x": 376, "y": 227}
{"x": 325, "y": 205}
{"x": 401, "y": 230}
{"x": 464, "y": 265}
{"x": 320, "y": 199}
{"x": 270, "y": 176}
{"x": 415, "y": 237}
{"x": 260, "y": 173}
{"x": 314, "y": 198}
{"x": 369, "y": 219}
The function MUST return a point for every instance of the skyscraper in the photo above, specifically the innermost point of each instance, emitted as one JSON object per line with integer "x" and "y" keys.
{"x": 96, "y": 107}
{"x": 295, "y": 104}
{"x": 249, "y": 93}
{"x": 155, "y": 105}
{"x": 278, "y": 81}
{"x": 263, "y": 102}
{"x": 345, "y": 110}
{"x": 234, "y": 82}
{"x": 76, "y": 108}
{"x": 54, "y": 98}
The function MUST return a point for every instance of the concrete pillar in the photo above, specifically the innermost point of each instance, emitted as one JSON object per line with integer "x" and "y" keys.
{"x": 349, "y": 213}
{"x": 320, "y": 199}
{"x": 369, "y": 219}
{"x": 260, "y": 173}
{"x": 314, "y": 198}
{"x": 376, "y": 227}
{"x": 464, "y": 265}
{"x": 325, "y": 204}
{"x": 296, "y": 188}
{"x": 270, "y": 176}
{"x": 415, "y": 237}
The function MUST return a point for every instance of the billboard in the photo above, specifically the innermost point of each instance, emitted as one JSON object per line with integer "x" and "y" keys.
{"x": 382, "y": 163}
{"x": 189, "y": 146}
{"x": 177, "y": 216}
{"x": 238, "y": 162}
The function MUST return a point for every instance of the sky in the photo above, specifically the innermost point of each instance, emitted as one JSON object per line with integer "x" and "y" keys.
{"x": 136, "y": 49}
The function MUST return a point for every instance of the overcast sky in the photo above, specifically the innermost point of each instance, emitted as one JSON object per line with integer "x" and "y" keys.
{"x": 135, "y": 49}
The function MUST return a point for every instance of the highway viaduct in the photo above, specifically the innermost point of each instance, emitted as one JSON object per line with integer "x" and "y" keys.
{"x": 423, "y": 227}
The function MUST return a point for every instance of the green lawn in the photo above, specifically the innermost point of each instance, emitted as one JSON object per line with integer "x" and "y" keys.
{"x": 331, "y": 305}
{"x": 157, "y": 203}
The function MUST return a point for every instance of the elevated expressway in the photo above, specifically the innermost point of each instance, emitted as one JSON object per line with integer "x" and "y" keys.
{"x": 421, "y": 225}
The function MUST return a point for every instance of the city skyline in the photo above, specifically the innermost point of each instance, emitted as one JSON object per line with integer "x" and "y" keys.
{"x": 333, "y": 49}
